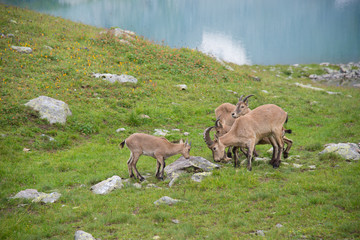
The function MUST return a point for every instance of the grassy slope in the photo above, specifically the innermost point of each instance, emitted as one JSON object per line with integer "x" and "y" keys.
{"x": 233, "y": 203}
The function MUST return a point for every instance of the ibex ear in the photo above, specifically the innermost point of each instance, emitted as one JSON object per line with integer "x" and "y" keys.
{"x": 181, "y": 141}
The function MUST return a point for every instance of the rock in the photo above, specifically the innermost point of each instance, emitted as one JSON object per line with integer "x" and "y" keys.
{"x": 175, "y": 221}
{"x": 312, "y": 167}
{"x": 47, "y": 198}
{"x": 22, "y": 49}
{"x": 26, "y": 150}
{"x": 279, "y": 225}
{"x": 27, "y": 194}
{"x": 198, "y": 177}
{"x": 48, "y": 47}
{"x": 260, "y": 233}
{"x": 161, "y": 132}
{"x": 182, "y": 86}
{"x": 118, "y": 32}
{"x": 264, "y": 91}
{"x": 107, "y": 185}
{"x": 38, "y": 196}
{"x": 137, "y": 185}
{"x": 314, "y": 88}
{"x": 349, "y": 151}
{"x": 144, "y": 116}
{"x": 55, "y": 111}
{"x": 263, "y": 160}
{"x": 48, "y": 137}
{"x": 183, "y": 165}
{"x": 186, "y": 134}
{"x": 120, "y": 130}
{"x": 81, "y": 235}
{"x": 297, "y": 165}
{"x": 166, "y": 200}
{"x": 123, "y": 78}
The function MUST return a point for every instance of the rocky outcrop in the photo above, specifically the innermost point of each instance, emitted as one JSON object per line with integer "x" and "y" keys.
{"x": 55, "y": 111}
{"x": 349, "y": 151}
{"x": 346, "y": 75}
{"x": 107, "y": 185}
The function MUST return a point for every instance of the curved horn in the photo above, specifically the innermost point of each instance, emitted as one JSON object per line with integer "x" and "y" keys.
{"x": 240, "y": 99}
{"x": 247, "y": 97}
{"x": 207, "y": 137}
{"x": 218, "y": 123}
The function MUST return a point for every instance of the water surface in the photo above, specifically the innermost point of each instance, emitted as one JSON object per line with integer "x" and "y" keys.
{"x": 239, "y": 31}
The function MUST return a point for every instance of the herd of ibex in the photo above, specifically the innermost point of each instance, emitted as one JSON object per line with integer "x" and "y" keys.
{"x": 237, "y": 126}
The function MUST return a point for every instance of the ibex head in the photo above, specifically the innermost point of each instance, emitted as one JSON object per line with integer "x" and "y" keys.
{"x": 242, "y": 107}
{"x": 186, "y": 149}
{"x": 217, "y": 148}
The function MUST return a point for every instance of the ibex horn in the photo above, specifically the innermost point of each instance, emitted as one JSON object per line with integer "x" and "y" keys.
{"x": 240, "y": 99}
{"x": 247, "y": 97}
{"x": 207, "y": 137}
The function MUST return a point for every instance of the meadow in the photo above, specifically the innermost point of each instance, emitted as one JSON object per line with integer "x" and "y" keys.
{"x": 232, "y": 203}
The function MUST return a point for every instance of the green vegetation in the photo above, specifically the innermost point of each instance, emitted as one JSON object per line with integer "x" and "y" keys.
{"x": 230, "y": 204}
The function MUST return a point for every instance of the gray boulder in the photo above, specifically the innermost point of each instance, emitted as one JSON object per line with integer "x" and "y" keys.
{"x": 349, "y": 151}
{"x": 55, "y": 111}
{"x": 81, "y": 235}
{"x": 123, "y": 78}
{"x": 22, "y": 49}
{"x": 38, "y": 196}
{"x": 107, "y": 185}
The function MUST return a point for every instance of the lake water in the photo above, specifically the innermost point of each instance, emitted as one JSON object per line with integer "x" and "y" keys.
{"x": 240, "y": 31}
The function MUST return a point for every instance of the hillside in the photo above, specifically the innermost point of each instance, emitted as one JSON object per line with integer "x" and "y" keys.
{"x": 229, "y": 204}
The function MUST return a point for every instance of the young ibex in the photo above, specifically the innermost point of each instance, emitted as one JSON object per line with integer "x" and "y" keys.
{"x": 157, "y": 147}
{"x": 264, "y": 121}
{"x": 226, "y": 115}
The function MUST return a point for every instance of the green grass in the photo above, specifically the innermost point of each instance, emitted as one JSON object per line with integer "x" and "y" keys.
{"x": 230, "y": 204}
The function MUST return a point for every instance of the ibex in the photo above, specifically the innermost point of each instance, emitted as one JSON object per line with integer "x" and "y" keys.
{"x": 264, "y": 121}
{"x": 227, "y": 113}
{"x": 157, "y": 147}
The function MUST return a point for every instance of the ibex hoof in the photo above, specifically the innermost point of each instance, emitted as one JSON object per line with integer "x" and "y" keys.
{"x": 142, "y": 179}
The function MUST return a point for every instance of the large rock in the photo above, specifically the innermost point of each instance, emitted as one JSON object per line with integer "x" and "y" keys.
{"x": 81, "y": 235}
{"x": 123, "y": 78}
{"x": 107, "y": 185}
{"x": 349, "y": 151}
{"x": 55, "y": 111}
{"x": 38, "y": 196}
{"x": 183, "y": 165}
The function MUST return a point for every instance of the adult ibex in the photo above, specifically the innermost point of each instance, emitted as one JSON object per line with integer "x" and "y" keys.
{"x": 227, "y": 113}
{"x": 264, "y": 121}
{"x": 157, "y": 147}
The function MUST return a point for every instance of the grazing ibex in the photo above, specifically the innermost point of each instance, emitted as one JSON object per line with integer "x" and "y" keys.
{"x": 227, "y": 113}
{"x": 157, "y": 147}
{"x": 248, "y": 130}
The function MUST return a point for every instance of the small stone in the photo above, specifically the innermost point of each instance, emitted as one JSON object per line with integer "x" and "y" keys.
{"x": 107, "y": 185}
{"x": 120, "y": 130}
{"x": 175, "y": 221}
{"x": 182, "y": 86}
{"x": 260, "y": 233}
{"x": 137, "y": 185}
{"x": 312, "y": 167}
{"x": 26, "y": 150}
{"x": 156, "y": 237}
{"x": 166, "y": 200}
{"x": 186, "y": 134}
{"x": 279, "y": 225}
{"x": 264, "y": 91}
{"x": 198, "y": 177}
{"x": 161, "y": 132}
{"x": 297, "y": 165}
{"x": 144, "y": 116}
